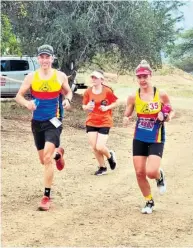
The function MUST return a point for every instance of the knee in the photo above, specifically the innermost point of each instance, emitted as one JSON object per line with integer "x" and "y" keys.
{"x": 47, "y": 159}
{"x": 93, "y": 148}
{"x": 99, "y": 148}
{"x": 152, "y": 174}
{"x": 140, "y": 174}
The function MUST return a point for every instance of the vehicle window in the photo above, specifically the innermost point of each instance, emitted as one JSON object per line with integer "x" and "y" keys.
{"x": 19, "y": 65}
{"x": 5, "y": 65}
{"x": 14, "y": 65}
{"x": 35, "y": 61}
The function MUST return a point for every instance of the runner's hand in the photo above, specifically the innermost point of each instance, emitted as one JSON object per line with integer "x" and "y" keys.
{"x": 160, "y": 116}
{"x": 90, "y": 106}
{"x": 168, "y": 118}
{"x": 66, "y": 104}
{"x": 126, "y": 120}
{"x": 163, "y": 117}
{"x": 103, "y": 108}
{"x": 31, "y": 105}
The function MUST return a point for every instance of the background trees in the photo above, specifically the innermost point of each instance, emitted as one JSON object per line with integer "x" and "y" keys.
{"x": 81, "y": 31}
{"x": 9, "y": 43}
{"x": 182, "y": 53}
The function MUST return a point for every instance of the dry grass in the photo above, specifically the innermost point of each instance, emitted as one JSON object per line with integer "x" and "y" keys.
{"x": 178, "y": 84}
{"x": 74, "y": 118}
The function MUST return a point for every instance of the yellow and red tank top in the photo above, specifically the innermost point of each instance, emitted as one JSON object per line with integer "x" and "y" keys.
{"x": 148, "y": 128}
{"x": 47, "y": 91}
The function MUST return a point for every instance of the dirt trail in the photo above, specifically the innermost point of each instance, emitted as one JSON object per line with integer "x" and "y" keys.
{"x": 90, "y": 211}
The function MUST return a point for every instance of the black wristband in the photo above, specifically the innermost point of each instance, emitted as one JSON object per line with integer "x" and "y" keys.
{"x": 68, "y": 100}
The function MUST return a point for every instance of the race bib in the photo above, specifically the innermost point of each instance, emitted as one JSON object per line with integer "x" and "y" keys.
{"x": 147, "y": 124}
{"x": 56, "y": 122}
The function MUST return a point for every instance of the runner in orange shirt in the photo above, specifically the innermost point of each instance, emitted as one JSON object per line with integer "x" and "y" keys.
{"x": 98, "y": 101}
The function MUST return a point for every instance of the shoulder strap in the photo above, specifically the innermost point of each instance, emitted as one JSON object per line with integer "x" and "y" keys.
{"x": 107, "y": 87}
{"x": 35, "y": 75}
{"x": 154, "y": 90}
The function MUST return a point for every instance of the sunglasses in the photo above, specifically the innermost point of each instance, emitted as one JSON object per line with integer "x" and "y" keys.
{"x": 142, "y": 76}
{"x": 93, "y": 77}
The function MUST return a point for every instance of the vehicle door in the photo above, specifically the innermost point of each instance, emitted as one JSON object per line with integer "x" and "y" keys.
{"x": 18, "y": 70}
{"x": 5, "y": 85}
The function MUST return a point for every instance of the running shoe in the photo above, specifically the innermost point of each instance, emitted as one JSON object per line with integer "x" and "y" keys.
{"x": 44, "y": 204}
{"x": 60, "y": 161}
{"x": 149, "y": 207}
{"x": 112, "y": 160}
{"x": 161, "y": 183}
{"x": 101, "y": 171}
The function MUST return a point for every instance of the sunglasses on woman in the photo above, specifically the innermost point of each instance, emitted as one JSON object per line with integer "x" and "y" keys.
{"x": 93, "y": 77}
{"x": 142, "y": 76}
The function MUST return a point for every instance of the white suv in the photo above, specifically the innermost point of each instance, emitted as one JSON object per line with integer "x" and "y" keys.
{"x": 16, "y": 68}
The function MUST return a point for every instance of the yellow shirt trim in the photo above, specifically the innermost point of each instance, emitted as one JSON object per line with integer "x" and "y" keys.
{"x": 45, "y": 85}
{"x": 151, "y": 107}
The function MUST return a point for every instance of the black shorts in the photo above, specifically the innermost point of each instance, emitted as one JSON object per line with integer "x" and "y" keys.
{"x": 102, "y": 130}
{"x": 141, "y": 148}
{"x": 45, "y": 131}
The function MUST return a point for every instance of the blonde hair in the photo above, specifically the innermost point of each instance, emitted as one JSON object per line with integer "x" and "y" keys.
{"x": 144, "y": 64}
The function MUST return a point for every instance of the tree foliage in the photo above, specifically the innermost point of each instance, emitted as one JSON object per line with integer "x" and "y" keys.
{"x": 9, "y": 43}
{"x": 182, "y": 53}
{"x": 79, "y": 30}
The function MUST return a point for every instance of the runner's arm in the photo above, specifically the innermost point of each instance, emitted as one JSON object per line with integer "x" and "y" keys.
{"x": 86, "y": 105}
{"x": 112, "y": 105}
{"x": 166, "y": 100}
{"x": 130, "y": 106}
{"x": 129, "y": 110}
{"x": 66, "y": 91}
{"x": 66, "y": 88}
{"x": 23, "y": 90}
{"x": 112, "y": 99}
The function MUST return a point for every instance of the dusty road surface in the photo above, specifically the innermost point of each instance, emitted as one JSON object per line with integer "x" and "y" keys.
{"x": 90, "y": 211}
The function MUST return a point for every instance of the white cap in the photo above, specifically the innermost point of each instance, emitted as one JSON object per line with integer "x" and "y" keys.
{"x": 97, "y": 74}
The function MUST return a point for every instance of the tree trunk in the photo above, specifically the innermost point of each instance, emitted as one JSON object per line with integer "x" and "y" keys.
{"x": 71, "y": 73}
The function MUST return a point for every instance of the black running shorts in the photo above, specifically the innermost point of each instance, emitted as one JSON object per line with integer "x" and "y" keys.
{"x": 45, "y": 131}
{"x": 102, "y": 130}
{"x": 141, "y": 148}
